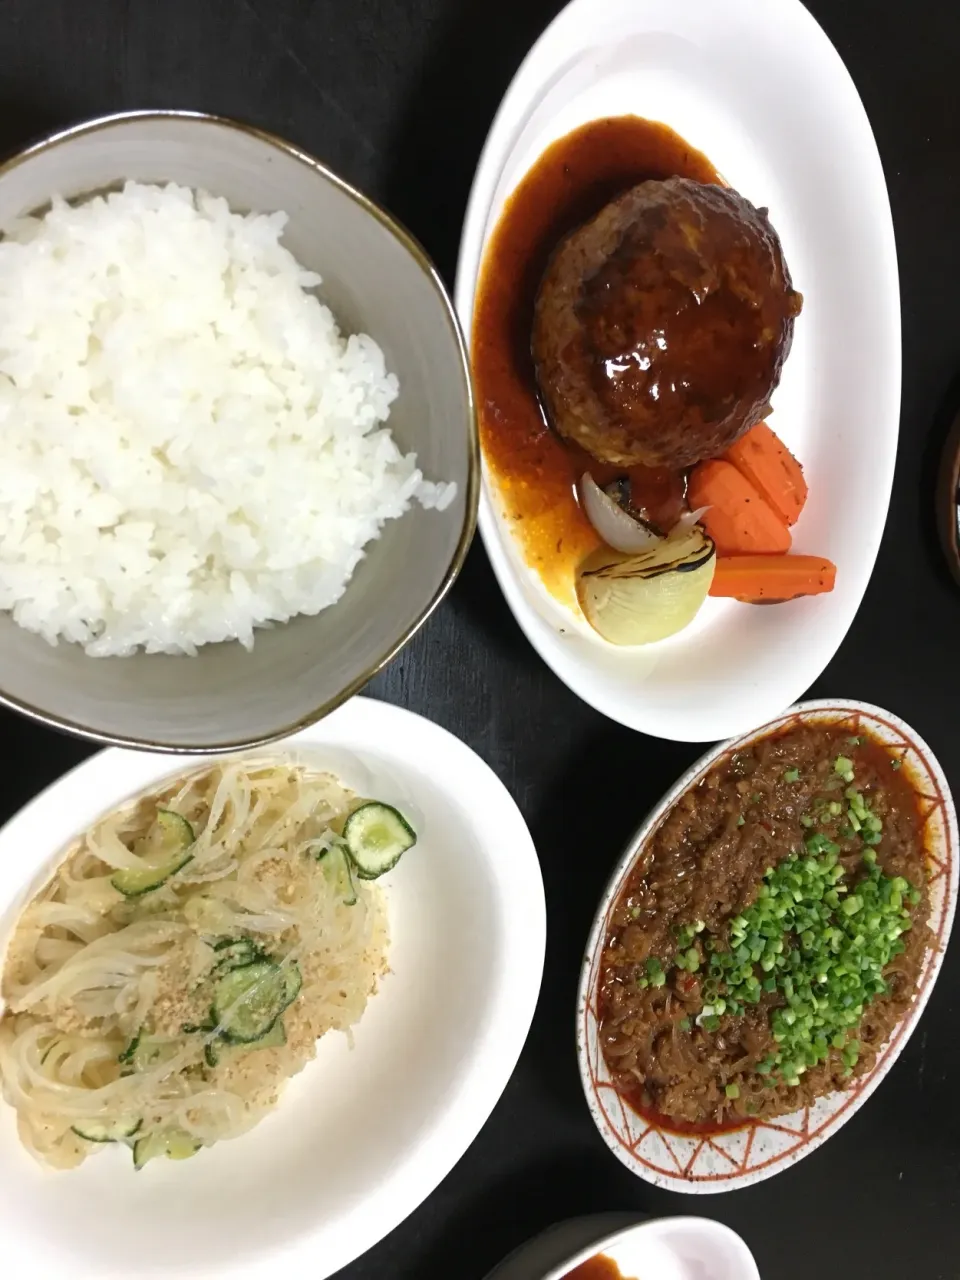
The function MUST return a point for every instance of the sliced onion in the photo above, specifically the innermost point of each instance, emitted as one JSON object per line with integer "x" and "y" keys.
{"x": 687, "y": 521}
{"x": 637, "y": 599}
{"x": 615, "y": 527}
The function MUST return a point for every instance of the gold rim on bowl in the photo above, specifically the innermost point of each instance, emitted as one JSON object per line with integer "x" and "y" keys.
{"x": 423, "y": 260}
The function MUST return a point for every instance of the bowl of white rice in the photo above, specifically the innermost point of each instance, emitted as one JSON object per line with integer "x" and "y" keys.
{"x": 238, "y": 450}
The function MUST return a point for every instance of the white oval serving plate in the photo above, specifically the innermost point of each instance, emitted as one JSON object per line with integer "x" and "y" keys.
{"x": 727, "y": 1160}
{"x": 757, "y": 86}
{"x": 361, "y": 1136}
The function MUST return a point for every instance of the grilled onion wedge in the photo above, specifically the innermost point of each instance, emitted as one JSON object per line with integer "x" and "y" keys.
{"x": 637, "y": 599}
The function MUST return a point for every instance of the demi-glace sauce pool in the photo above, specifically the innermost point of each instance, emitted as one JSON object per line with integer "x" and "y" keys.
{"x": 599, "y": 1267}
{"x": 535, "y": 471}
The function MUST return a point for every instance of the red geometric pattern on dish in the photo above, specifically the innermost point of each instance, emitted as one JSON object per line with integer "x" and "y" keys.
{"x": 787, "y": 1134}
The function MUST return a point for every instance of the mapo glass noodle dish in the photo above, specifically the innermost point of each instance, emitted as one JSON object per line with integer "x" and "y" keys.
{"x": 186, "y": 956}
{"x": 771, "y": 934}
{"x": 191, "y": 449}
{"x": 632, "y": 318}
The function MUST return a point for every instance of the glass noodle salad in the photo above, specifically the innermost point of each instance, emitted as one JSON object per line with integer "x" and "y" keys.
{"x": 186, "y": 956}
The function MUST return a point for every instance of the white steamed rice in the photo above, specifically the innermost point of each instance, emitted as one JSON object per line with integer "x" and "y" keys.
{"x": 189, "y": 448}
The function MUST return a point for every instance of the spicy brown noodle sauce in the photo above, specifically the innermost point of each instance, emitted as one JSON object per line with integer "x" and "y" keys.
{"x": 638, "y": 1100}
{"x": 535, "y": 470}
{"x": 705, "y": 863}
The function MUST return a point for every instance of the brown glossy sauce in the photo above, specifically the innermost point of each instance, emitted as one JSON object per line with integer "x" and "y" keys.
{"x": 535, "y": 470}
{"x": 599, "y": 1267}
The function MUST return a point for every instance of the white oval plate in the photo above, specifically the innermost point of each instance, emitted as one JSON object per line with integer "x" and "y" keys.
{"x": 727, "y": 1160}
{"x": 758, "y": 87}
{"x": 360, "y": 1137}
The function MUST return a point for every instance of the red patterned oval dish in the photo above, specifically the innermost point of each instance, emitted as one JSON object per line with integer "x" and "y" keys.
{"x": 728, "y": 1158}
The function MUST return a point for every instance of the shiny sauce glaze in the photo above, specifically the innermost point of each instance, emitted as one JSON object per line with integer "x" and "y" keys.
{"x": 535, "y": 471}
{"x": 599, "y": 1267}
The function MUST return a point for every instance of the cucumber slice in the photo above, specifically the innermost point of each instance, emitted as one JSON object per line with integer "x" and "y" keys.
{"x": 145, "y": 1051}
{"x": 337, "y": 868}
{"x": 327, "y": 844}
{"x": 229, "y": 944}
{"x": 377, "y": 836}
{"x": 133, "y": 881}
{"x": 234, "y": 953}
{"x": 350, "y": 896}
{"x": 248, "y": 1001}
{"x": 172, "y": 833}
{"x": 107, "y": 1130}
{"x": 275, "y": 1038}
{"x": 292, "y": 981}
{"x": 131, "y": 1049}
{"x": 172, "y": 1143}
{"x": 167, "y": 853}
{"x": 198, "y": 1028}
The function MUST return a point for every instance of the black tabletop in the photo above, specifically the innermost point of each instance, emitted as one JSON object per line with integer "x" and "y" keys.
{"x": 397, "y": 96}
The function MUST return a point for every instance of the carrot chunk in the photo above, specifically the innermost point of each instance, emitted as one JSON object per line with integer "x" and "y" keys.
{"x": 767, "y": 579}
{"x": 739, "y": 521}
{"x": 762, "y": 458}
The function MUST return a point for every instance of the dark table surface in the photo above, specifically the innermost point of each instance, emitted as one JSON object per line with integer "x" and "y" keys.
{"x": 397, "y": 95}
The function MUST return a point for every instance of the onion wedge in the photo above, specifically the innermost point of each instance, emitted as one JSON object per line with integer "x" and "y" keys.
{"x": 615, "y": 526}
{"x": 637, "y": 599}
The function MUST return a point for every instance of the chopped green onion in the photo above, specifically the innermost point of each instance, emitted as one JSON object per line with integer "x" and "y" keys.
{"x": 732, "y": 1091}
{"x": 821, "y": 943}
{"x": 684, "y": 934}
{"x": 791, "y": 775}
{"x": 843, "y": 765}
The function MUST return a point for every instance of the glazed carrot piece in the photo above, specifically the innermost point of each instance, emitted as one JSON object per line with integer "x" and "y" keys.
{"x": 762, "y": 458}
{"x": 767, "y": 579}
{"x": 739, "y": 521}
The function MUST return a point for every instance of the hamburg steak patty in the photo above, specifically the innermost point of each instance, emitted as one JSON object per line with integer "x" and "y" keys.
{"x": 661, "y": 326}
